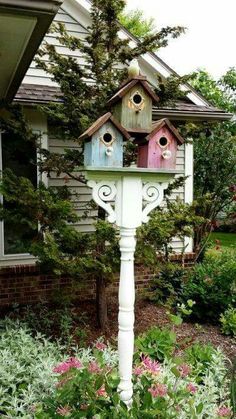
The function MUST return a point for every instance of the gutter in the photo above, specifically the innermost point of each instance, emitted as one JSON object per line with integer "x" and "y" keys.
{"x": 190, "y": 115}
{"x": 43, "y": 11}
{"x": 41, "y": 6}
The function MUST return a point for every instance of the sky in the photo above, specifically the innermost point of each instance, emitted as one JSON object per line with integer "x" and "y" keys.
{"x": 210, "y": 38}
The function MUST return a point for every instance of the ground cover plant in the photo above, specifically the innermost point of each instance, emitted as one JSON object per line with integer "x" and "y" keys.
{"x": 26, "y": 362}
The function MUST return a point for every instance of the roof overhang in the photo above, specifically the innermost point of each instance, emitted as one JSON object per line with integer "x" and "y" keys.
{"x": 23, "y": 24}
{"x": 195, "y": 115}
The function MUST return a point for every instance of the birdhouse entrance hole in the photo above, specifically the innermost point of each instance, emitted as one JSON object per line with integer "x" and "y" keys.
{"x": 163, "y": 142}
{"x": 137, "y": 98}
{"x": 107, "y": 138}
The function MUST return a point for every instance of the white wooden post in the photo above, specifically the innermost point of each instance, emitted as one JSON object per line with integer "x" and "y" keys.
{"x": 126, "y": 313}
{"x": 136, "y": 193}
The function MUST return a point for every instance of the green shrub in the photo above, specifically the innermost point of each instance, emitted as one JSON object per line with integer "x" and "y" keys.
{"x": 161, "y": 390}
{"x": 228, "y": 321}
{"x": 167, "y": 284}
{"x": 212, "y": 285}
{"x": 26, "y": 363}
{"x": 156, "y": 343}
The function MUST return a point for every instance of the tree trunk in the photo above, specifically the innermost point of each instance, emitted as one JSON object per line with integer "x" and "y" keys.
{"x": 101, "y": 303}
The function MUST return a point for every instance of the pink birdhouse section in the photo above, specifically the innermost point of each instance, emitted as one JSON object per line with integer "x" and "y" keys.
{"x": 158, "y": 150}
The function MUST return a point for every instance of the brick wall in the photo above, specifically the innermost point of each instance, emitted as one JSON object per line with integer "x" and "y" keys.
{"x": 26, "y": 285}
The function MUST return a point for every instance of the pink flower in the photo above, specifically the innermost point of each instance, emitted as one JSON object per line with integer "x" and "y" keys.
{"x": 184, "y": 370}
{"x": 224, "y": 411}
{"x": 100, "y": 346}
{"x": 191, "y": 388}
{"x": 66, "y": 365}
{"x": 94, "y": 368}
{"x": 151, "y": 366}
{"x": 64, "y": 411}
{"x": 138, "y": 370}
{"x": 158, "y": 390}
{"x": 101, "y": 392}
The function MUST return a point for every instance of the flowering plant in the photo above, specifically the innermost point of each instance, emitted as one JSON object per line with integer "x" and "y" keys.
{"x": 87, "y": 388}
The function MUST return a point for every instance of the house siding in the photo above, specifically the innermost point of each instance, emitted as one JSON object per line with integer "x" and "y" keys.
{"x": 81, "y": 194}
{"x": 35, "y": 75}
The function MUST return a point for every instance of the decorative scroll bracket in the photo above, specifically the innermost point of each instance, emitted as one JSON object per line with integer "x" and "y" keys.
{"x": 103, "y": 193}
{"x": 153, "y": 194}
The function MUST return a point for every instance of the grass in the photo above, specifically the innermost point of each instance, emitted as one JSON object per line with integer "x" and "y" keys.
{"x": 226, "y": 239}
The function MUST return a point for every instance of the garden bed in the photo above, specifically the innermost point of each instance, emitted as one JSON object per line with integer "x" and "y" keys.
{"x": 81, "y": 321}
{"x": 147, "y": 315}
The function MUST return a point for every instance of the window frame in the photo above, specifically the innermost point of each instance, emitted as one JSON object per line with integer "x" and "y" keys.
{"x": 40, "y": 178}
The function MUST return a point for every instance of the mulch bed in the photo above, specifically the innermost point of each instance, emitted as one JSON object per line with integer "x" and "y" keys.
{"x": 147, "y": 315}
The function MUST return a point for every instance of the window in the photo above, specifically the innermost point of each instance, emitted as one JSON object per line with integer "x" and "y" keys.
{"x": 21, "y": 158}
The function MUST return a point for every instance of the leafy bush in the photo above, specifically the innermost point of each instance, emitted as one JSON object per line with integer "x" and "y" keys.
{"x": 156, "y": 343}
{"x": 167, "y": 283}
{"x": 212, "y": 285}
{"x": 25, "y": 368}
{"x": 88, "y": 389}
{"x": 63, "y": 321}
{"x": 228, "y": 321}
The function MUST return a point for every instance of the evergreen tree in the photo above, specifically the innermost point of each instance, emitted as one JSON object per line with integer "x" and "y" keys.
{"x": 84, "y": 91}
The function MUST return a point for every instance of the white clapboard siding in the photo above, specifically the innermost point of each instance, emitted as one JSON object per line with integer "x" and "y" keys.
{"x": 81, "y": 194}
{"x": 37, "y": 76}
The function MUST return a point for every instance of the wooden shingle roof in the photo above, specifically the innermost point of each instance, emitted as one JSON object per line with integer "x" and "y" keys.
{"x": 128, "y": 84}
{"x": 100, "y": 122}
{"x": 33, "y": 94}
{"x": 160, "y": 124}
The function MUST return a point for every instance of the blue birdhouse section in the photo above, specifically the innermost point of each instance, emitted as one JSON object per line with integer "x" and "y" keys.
{"x": 104, "y": 143}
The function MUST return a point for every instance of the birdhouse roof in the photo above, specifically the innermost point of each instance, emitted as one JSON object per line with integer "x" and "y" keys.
{"x": 128, "y": 84}
{"x": 100, "y": 122}
{"x": 165, "y": 122}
